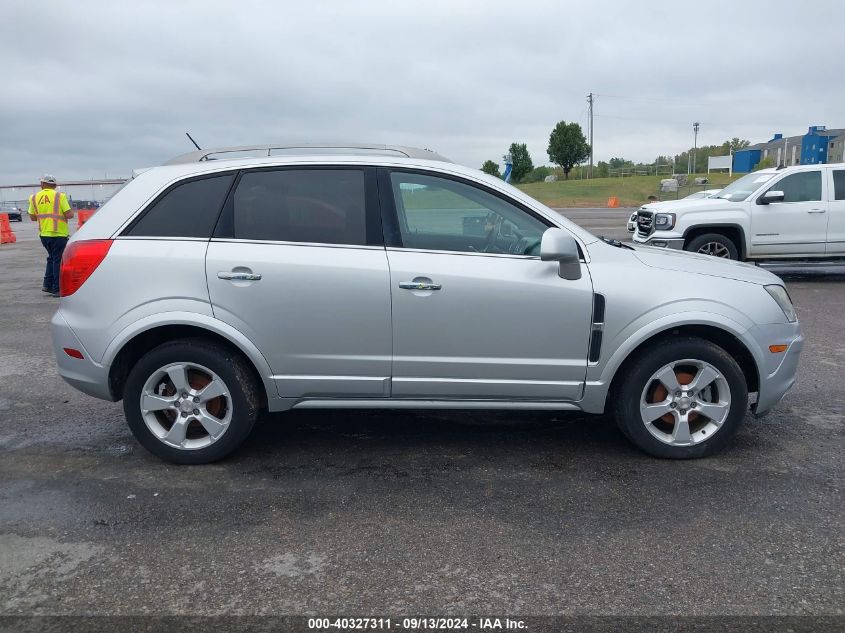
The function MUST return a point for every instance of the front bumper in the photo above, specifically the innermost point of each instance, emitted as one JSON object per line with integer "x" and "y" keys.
{"x": 671, "y": 241}
{"x": 777, "y": 371}
{"x": 81, "y": 373}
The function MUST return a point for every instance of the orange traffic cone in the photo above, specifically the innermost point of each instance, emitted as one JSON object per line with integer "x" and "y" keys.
{"x": 7, "y": 236}
{"x": 612, "y": 202}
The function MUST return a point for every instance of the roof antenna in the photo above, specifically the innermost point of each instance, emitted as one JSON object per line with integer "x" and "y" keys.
{"x": 191, "y": 138}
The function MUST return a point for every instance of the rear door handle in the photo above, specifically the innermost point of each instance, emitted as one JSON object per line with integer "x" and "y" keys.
{"x": 239, "y": 276}
{"x": 816, "y": 210}
{"x": 418, "y": 285}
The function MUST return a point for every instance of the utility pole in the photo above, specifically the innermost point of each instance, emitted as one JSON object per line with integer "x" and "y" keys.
{"x": 695, "y": 144}
{"x": 590, "y": 103}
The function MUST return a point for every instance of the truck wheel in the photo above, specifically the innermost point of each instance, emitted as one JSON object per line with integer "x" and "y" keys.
{"x": 714, "y": 244}
{"x": 682, "y": 399}
{"x": 191, "y": 401}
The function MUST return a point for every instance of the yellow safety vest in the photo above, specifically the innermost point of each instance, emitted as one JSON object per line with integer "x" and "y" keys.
{"x": 49, "y": 206}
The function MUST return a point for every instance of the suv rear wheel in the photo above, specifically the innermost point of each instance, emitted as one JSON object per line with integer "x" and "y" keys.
{"x": 682, "y": 399}
{"x": 714, "y": 244}
{"x": 190, "y": 402}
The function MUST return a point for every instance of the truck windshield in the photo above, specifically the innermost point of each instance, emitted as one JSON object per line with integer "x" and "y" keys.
{"x": 739, "y": 190}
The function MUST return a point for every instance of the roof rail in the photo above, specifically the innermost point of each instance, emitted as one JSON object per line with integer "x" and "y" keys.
{"x": 256, "y": 151}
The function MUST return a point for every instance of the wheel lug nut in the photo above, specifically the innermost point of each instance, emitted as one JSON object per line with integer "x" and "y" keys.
{"x": 677, "y": 394}
{"x": 196, "y": 399}
{"x": 672, "y": 405}
{"x": 196, "y": 411}
{"x": 683, "y": 411}
{"x": 184, "y": 415}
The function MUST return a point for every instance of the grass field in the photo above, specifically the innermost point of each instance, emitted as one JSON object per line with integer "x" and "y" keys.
{"x": 631, "y": 191}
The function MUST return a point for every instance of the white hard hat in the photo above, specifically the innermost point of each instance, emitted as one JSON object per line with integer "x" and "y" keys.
{"x": 47, "y": 179}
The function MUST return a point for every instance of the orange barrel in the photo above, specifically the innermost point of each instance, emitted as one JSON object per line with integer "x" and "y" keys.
{"x": 83, "y": 216}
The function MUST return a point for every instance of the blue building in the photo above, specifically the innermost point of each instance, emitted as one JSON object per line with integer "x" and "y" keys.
{"x": 818, "y": 145}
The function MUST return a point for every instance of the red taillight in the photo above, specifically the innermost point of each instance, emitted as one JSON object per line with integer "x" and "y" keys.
{"x": 73, "y": 353}
{"x": 79, "y": 260}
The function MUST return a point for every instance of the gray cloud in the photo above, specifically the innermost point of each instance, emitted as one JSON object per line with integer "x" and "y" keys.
{"x": 95, "y": 88}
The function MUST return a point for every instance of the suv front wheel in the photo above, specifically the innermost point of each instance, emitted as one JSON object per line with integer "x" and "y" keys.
{"x": 190, "y": 402}
{"x": 682, "y": 399}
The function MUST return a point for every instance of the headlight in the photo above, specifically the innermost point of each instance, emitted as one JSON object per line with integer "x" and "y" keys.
{"x": 781, "y": 297}
{"x": 664, "y": 221}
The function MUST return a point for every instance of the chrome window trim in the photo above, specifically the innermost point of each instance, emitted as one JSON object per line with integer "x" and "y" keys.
{"x": 500, "y": 255}
{"x": 470, "y": 253}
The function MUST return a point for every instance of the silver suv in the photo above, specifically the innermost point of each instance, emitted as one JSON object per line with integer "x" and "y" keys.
{"x": 225, "y": 283}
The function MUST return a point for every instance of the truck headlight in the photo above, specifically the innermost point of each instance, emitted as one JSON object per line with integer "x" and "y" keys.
{"x": 781, "y": 297}
{"x": 664, "y": 221}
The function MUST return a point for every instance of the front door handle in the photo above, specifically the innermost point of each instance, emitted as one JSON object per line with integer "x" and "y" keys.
{"x": 418, "y": 285}
{"x": 816, "y": 210}
{"x": 238, "y": 276}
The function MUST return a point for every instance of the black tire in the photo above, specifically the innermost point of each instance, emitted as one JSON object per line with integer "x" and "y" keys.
{"x": 716, "y": 239}
{"x": 626, "y": 396}
{"x": 229, "y": 365}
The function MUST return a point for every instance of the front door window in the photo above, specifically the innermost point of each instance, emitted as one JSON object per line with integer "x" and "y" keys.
{"x": 446, "y": 215}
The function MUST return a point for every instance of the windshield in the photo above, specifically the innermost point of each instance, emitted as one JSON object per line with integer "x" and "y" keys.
{"x": 739, "y": 190}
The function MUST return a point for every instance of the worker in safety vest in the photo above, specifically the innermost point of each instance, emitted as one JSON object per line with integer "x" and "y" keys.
{"x": 51, "y": 210}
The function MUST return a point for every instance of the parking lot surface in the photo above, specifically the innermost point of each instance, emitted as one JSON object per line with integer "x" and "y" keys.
{"x": 416, "y": 512}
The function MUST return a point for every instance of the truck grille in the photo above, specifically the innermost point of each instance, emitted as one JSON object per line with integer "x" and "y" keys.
{"x": 645, "y": 223}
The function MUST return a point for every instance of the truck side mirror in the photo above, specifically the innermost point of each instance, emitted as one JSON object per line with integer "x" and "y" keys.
{"x": 771, "y": 196}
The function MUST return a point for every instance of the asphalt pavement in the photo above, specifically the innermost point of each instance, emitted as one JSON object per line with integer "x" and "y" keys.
{"x": 373, "y": 512}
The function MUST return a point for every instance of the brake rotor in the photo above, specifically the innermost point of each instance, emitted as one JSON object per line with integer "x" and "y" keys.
{"x": 660, "y": 393}
{"x": 198, "y": 381}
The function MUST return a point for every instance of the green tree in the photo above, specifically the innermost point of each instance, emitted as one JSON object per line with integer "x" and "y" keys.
{"x": 538, "y": 174}
{"x": 764, "y": 163}
{"x": 489, "y": 167}
{"x": 734, "y": 144}
{"x": 602, "y": 169}
{"x": 567, "y": 146}
{"x": 521, "y": 161}
{"x": 616, "y": 163}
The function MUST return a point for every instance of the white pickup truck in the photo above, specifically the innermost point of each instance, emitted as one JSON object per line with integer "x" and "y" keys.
{"x": 787, "y": 213}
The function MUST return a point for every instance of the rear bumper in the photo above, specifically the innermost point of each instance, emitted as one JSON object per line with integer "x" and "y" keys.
{"x": 777, "y": 373}
{"x": 81, "y": 373}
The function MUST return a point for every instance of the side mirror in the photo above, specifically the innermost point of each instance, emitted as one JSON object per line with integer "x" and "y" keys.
{"x": 771, "y": 196}
{"x": 559, "y": 246}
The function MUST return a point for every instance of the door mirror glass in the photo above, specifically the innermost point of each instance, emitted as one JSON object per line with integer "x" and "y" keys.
{"x": 772, "y": 196}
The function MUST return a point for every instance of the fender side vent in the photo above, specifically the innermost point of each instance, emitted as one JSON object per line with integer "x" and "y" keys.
{"x": 598, "y": 309}
{"x": 597, "y": 328}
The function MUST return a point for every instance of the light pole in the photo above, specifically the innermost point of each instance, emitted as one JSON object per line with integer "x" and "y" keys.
{"x": 695, "y": 144}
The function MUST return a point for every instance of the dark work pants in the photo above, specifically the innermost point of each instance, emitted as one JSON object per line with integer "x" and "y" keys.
{"x": 54, "y": 246}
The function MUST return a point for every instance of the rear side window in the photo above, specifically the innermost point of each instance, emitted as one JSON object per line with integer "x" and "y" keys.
{"x": 839, "y": 184}
{"x": 189, "y": 209}
{"x": 301, "y": 205}
{"x": 805, "y": 186}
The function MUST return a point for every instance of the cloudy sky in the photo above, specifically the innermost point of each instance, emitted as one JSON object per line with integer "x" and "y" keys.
{"x": 98, "y": 88}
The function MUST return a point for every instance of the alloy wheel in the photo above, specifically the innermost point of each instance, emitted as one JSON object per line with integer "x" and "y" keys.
{"x": 685, "y": 402}
{"x": 186, "y": 406}
{"x": 715, "y": 249}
